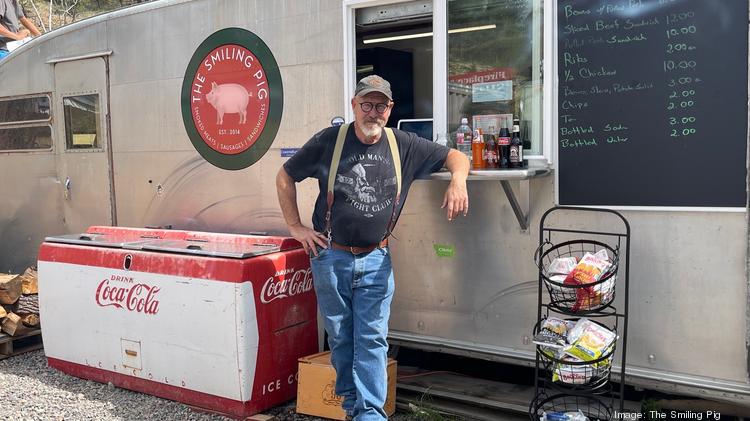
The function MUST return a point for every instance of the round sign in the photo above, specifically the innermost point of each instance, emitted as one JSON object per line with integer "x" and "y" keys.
{"x": 232, "y": 99}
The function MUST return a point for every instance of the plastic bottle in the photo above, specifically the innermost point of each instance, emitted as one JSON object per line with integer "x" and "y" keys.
{"x": 464, "y": 138}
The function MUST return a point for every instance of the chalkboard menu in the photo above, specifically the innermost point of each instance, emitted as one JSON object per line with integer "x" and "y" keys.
{"x": 652, "y": 102}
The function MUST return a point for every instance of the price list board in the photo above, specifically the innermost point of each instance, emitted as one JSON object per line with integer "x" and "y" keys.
{"x": 652, "y": 102}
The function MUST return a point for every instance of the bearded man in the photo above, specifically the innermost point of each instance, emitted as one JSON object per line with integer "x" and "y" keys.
{"x": 348, "y": 244}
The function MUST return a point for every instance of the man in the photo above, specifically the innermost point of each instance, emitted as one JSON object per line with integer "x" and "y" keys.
{"x": 11, "y": 19}
{"x": 354, "y": 214}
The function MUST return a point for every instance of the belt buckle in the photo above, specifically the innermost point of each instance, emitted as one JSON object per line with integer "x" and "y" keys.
{"x": 351, "y": 249}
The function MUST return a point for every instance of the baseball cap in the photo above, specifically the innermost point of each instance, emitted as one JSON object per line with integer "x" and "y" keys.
{"x": 373, "y": 83}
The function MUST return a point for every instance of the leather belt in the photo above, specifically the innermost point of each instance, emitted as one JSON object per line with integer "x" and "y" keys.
{"x": 359, "y": 250}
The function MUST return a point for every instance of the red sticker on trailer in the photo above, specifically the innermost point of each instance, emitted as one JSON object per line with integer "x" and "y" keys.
{"x": 229, "y": 99}
{"x": 232, "y": 98}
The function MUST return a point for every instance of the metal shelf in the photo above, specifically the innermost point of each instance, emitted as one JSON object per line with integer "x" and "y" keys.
{"x": 520, "y": 204}
{"x": 618, "y": 239}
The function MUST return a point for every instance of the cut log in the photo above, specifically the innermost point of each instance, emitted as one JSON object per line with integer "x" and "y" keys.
{"x": 12, "y": 324}
{"x": 10, "y": 288}
{"x": 29, "y": 282}
{"x": 3, "y": 313}
{"x": 30, "y": 320}
{"x": 27, "y": 304}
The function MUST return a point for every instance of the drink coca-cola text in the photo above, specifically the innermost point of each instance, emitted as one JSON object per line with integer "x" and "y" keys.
{"x": 298, "y": 283}
{"x": 140, "y": 298}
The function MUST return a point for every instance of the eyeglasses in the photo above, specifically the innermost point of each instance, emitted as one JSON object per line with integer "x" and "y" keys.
{"x": 368, "y": 106}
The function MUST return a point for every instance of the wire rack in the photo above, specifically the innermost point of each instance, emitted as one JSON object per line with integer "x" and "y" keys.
{"x": 564, "y": 384}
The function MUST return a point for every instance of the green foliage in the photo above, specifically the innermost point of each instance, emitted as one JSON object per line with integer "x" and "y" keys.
{"x": 422, "y": 411}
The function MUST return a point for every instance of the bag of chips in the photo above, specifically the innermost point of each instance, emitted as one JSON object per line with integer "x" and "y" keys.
{"x": 572, "y": 374}
{"x": 563, "y": 416}
{"x": 553, "y": 333}
{"x": 562, "y": 266}
{"x": 589, "y": 341}
{"x": 588, "y": 271}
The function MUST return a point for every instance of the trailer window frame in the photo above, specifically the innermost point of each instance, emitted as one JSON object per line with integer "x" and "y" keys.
{"x": 68, "y": 133}
{"x": 28, "y": 126}
{"x": 543, "y": 151}
{"x": 29, "y": 123}
{"x": 20, "y": 98}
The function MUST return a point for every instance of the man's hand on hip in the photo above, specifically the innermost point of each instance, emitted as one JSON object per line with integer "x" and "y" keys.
{"x": 309, "y": 238}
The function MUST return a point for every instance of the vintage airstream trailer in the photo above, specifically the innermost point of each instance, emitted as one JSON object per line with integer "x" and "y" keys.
{"x": 93, "y": 132}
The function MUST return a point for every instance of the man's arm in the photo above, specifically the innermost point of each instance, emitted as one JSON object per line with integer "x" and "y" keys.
{"x": 456, "y": 198}
{"x": 30, "y": 26}
{"x": 4, "y": 32}
{"x": 287, "y": 192}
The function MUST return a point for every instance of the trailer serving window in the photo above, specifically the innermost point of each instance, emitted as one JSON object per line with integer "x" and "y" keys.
{"x": 25, "y": 123}
{"x": 483, "y": 59}
{"x": 82, "y": 121}
{"x": 494, "y": 60}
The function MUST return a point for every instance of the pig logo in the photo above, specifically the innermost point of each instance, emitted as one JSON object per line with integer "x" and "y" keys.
{"x": 232, "y": 99}
{"x": 228, "y": 98}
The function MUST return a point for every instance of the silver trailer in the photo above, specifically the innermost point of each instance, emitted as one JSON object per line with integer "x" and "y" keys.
{"x": 101, "y": 140}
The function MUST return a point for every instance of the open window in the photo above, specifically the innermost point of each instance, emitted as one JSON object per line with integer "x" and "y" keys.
{"x": 395, "y": 42}
{"x": 480, "y": 59}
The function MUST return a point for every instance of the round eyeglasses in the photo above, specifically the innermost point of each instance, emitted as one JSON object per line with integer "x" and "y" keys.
{"x": 368, "y": 106}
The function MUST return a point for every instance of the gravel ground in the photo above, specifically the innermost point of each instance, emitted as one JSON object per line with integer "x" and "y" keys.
{"x": 30, "y": 390}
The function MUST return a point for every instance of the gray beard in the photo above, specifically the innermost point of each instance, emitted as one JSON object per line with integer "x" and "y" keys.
{"x": 370, "y": 129}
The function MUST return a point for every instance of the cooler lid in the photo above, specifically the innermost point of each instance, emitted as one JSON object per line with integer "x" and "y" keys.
{"x": 213, "y": 249}
{"x": 102, "y": 240}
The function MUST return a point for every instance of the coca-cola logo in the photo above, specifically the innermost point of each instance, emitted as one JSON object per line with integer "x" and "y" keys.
{"x": 123, "y": 292}
{"x": 299, "y": 283}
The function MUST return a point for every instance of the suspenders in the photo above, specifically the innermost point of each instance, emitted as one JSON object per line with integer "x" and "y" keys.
{"x": 335, "y": 168}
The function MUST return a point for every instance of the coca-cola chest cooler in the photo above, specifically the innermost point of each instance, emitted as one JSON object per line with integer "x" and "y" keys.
{"x": 217, "y": 321}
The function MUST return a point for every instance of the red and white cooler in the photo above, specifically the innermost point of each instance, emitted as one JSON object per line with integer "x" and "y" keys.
{"x": 217, "y": 321}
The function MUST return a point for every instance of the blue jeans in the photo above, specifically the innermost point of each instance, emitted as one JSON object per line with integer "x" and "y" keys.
{"x": 3, "y": 53}
{"x": 354, "y": 296}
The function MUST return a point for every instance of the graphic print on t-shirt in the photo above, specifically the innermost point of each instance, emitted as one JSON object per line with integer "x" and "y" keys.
{"x": 363, "y": 185}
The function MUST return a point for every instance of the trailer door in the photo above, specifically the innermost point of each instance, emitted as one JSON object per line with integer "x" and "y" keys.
{"x": 83, "y": 150}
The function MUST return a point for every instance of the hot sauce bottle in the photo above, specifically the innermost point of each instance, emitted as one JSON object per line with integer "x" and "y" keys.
{"x": 477, "y": 150}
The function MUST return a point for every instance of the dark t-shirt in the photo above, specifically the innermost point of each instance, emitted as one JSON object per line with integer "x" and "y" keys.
{"x": 365, "y": 186}
{"x": 10, "y": 13}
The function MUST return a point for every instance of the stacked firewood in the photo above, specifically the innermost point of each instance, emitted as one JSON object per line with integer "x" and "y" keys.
{"x": 19, "y": 302}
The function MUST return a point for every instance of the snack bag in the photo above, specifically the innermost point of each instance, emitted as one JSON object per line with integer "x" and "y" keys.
{"x": 589, "y": 341}
{"x": 562, "y": 266}
{"x": 580, "y": 374}
{"x": 563, "y": 416}
{"x": 571, "y": 374}
{"x": 553, "y": 337}
{"x": 605, "y": 291}
{"x": 557, "y": 325}
{"x": 550, "y": 341}
{"x": 588, "y": 271}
